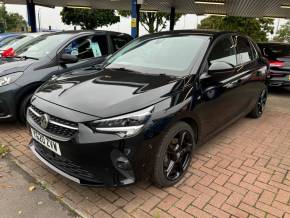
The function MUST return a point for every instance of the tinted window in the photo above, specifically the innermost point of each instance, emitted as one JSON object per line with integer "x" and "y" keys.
{"x": 119, "y": 42}
{"x": 171, "y": 55}
{"x": 244, "y": 51}
{"x": 88, "y": 47}
{"x": 276, "y": 51}
{"x": 223, "y": 51}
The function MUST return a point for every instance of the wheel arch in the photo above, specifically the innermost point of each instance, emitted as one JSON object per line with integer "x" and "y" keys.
{"x": 194, "y": 125}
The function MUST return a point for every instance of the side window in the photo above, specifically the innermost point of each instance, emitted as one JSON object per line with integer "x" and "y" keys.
{"x": 88, "y": 47}
{"x": 80, "y": 47}
{"x": 223, "y": 51}
{"x": 254, "y": 51}
{"x": 100, "y": 45}
{"x": 244, "y": 51}
{"x": 119, "y": 42}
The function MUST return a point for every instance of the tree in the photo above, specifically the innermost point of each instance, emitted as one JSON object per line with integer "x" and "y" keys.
{"x": 88, "y": 19}
{"x": 153, "y": 22}
{"x": 11, "y": 22}
{"x": 256, "y": 28}
{"x": 283, "y": 34}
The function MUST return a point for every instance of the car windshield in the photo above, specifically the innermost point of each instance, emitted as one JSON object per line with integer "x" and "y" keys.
{"x": 171, "y": 55}
{"x": 277, "y": 51}
{"x": 42, "y": 46}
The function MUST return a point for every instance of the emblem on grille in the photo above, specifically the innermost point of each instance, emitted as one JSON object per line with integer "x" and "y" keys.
{"x": 44, "y": 121}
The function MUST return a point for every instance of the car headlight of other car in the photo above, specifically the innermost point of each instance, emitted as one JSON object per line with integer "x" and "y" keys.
{"x": 9, "y": 78}
{"x": 126, "y": 125}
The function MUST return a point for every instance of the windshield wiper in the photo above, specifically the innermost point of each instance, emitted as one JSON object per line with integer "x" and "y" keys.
{"x": 23, "y": 57}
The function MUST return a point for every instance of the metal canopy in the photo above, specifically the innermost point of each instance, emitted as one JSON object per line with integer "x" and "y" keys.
{"x": 247, "y": 8}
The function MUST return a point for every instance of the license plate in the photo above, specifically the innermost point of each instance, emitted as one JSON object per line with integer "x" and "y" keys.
{"x": 46, "y": 142}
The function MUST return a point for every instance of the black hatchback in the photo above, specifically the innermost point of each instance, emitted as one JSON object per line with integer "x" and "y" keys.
{"x": 51, "y": 54}
{"x": 278, "y": 55}
{"x": 148, "y": 108}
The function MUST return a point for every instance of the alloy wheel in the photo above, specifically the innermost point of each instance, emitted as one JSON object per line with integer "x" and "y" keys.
{"x": 178, "y": 155}
{"x": 262, "y": 102}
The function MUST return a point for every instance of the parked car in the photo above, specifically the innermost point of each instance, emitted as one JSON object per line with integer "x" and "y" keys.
{"x": 7, "y": 51}
{"x": 143, "y": 114}
{"x": 7, "y": 37}
{"x": 49, "y": 55}
{"x": 278, "y": 55}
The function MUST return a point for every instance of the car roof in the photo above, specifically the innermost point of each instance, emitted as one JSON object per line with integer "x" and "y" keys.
{"x": 274, "y": 43}
{"x": 210, "y": 33}
{"x": 81, "y": 32}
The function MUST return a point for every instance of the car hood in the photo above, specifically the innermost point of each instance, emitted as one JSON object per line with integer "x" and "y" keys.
{"x": 16, "y": 66}
{"x": 108, "y": 92}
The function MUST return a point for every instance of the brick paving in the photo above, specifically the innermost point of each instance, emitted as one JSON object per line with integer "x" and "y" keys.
{"x": 243, "y": 172}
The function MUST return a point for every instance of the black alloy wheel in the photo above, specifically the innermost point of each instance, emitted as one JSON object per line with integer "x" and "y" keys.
{"x": 260, "y": 105}
{"x": 178, "y": 155}
{"x": 174, "y": 155}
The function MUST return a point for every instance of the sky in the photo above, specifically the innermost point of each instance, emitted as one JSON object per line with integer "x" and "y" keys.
{"x": 51, "y": 17}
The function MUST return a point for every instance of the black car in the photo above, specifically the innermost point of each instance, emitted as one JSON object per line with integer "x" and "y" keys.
{"x": 47, "y": 55}
{"x": 278, "y": 55}
{"x": 143, "y": 114}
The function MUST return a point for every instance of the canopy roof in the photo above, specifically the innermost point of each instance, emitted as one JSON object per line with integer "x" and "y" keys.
{"x": 246, "y": 8}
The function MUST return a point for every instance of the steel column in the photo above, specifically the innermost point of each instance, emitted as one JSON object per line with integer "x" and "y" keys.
{"x": 31, "y": 15}
{"x": 172, "y": 18}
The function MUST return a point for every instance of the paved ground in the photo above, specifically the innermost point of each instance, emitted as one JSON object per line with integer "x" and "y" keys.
{"x": 243, "y": 172}
{"x": 16, "y": 200}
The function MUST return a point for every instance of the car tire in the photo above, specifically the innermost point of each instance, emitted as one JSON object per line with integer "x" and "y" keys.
{"x": 260, "y": 105}
{"x": 170, "y": 152}
{"x": 23, "y": 108}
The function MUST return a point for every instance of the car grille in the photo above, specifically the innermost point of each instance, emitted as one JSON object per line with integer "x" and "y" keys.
{"x": 66, "y": 165}
{"x": 56, "y": 125}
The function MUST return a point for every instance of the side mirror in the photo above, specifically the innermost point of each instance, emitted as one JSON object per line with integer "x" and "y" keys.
{"x": 221, "y": 67}
{"x": 68, "y": 59}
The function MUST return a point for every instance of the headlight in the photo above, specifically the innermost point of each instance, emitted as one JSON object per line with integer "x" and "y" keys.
{"x": 10, "y": 78}
{"x": 126, "y": 125}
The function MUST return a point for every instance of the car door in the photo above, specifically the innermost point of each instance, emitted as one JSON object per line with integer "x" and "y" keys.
{"x": 249, "y": 71}
{"x": 218, "y": 91}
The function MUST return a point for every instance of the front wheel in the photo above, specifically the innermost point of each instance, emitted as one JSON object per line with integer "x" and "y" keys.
{"x": 23, "y": 108}
{"x": 260, "y": 105}
{"x": 174, "y": 155}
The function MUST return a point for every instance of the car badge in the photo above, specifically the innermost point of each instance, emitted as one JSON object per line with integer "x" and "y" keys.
{"x": 44, "y": 121}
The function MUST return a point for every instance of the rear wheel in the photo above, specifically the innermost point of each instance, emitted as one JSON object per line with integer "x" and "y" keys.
{"x": 260, "y": 105}
{"x": 174, "y": 155}
{"x": 23, "y": 108}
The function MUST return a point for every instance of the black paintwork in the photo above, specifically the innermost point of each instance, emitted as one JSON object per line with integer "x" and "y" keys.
{"x": 36, "y": 72}
{"x": 207, "y": 102}
{"x": 278, "y": 75}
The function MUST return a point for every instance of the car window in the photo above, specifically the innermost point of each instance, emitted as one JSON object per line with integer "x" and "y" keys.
{"x": 43, "y": 45}
{"x": 254, "y": 51}
{"x": 276, "y": 51}
{"x": 119, "y": 42}
{"x": 17, "y": 43}
{"x": 9, "y": 40}
{"x": 244, "y": 51}
{"x": 87, "y": 47}
{"x": 223, "y": 51}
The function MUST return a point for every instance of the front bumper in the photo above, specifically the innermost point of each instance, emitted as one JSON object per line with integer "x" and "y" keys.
{"x": 97, "y": 159}
{"x": 7, "y": 102}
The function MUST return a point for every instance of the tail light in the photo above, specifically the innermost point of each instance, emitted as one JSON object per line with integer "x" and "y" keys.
{"x": 277, "y": 63}
{"x": 8, "y": 53}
